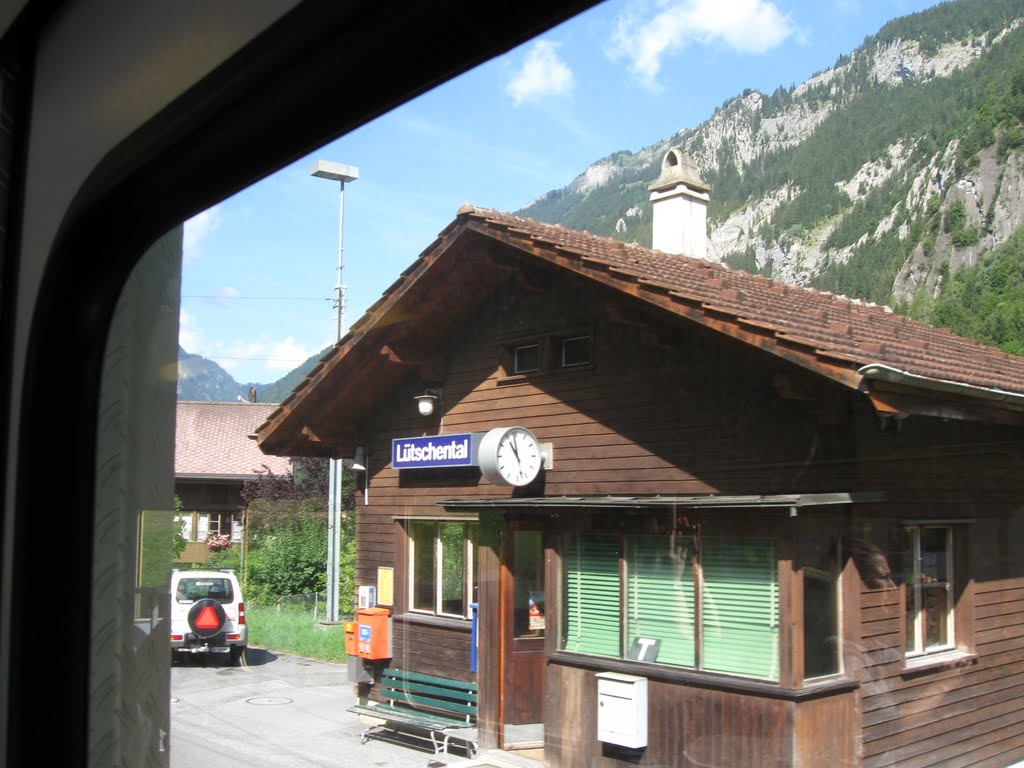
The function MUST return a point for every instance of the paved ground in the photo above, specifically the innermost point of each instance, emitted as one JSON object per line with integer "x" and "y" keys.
{"x": 280, "y": 711}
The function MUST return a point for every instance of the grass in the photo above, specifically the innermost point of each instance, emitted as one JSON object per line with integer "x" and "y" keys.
{"x": 293, "y": 631}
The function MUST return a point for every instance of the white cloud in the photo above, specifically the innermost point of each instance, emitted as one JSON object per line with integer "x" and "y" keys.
{"x": 197, "y": 229}
{"x": 543, "y": 73}
{"x": 286, "y": 354}
{"x": 645, "y": 35}
{"x": 189, "y": 335}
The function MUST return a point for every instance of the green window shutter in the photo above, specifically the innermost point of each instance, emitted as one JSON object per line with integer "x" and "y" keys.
{"x": 660, "y": 596}
{"x": 740, "y": 600}
{"x": 592, "y": 602}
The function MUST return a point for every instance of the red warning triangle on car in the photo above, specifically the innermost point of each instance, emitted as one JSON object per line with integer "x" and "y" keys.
{"x": 207, "y": 619}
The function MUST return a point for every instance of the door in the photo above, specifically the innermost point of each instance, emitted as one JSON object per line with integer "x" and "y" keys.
{"x": 523, "y": 620}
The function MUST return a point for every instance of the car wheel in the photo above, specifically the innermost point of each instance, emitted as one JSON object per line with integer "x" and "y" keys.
{"x": 237, "y": 655}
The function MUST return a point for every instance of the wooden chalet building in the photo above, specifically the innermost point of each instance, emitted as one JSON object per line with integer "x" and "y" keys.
{"x": 214, "y": 454}
{"x": 793, "y": 521}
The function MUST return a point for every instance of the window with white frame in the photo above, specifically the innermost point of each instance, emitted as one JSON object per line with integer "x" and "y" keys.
{"x": 928, "y": 571}
{"x": 441, "y": 571}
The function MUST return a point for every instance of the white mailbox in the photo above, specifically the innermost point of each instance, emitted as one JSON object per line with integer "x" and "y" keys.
{"x": 622, "y": 709}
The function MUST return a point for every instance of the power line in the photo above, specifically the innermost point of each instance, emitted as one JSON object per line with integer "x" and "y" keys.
{"x": 253, "y": 359}
{"x": 261, "y": 298}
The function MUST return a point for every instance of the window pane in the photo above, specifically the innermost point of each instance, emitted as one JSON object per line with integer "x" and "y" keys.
{"x": 821, "y": 642}
{"x": 527, "y": 358}
{"x": 576, "y": 351}
{"x": 592, "y": 601}
{"x": 821, "y": 606}
{"x": 935, "y": 604}
{"x": 453, "y": 568}
{"x": 528, "y": 569}
{"x": 660, "y": 597}
{"x": 423, "y": 569}
{"x": 910, "y": 574}
{"x": 740, "y": 606}
{"x": 934, "y": 555}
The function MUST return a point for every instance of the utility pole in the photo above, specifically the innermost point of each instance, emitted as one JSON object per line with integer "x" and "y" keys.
{"x": 324, "y": 169}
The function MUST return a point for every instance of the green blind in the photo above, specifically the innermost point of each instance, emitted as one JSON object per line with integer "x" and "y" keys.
{"x": 740, "y": 602}
{"x": 592, "y": 602}
{"x": 660, "y": 595}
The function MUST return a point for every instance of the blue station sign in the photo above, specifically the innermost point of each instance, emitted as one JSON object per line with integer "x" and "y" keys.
{"x": 433, "y": 451}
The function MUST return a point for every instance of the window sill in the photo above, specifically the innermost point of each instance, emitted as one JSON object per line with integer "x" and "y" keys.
{"x": 429, "y": 620}
{"x": 720, "y": 682}
{"x": 927, "y": 662}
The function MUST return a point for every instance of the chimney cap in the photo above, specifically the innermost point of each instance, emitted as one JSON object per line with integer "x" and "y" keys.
{"x": 679, "y": 167}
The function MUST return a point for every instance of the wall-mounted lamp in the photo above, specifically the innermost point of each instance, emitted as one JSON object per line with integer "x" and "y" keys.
{"x": 426, "y": 402}
{"x": 359, "y": 461}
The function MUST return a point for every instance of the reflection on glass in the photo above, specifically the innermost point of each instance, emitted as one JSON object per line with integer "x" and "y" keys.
{"x": 453, "y": 568}
{"x": 423, "y": 566}
{"x": 821, "y": 606}
{"x": 936, "y": 608}
{"x": 928, "y": 588}
{"x": 528, "y": 570}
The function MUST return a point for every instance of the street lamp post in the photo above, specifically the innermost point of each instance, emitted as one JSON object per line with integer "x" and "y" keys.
{"x": 324, "y": 169}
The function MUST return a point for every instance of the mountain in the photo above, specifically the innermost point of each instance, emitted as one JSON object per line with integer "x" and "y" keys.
{"x": 879, "y": 178}
{"x": 202, "y": 379}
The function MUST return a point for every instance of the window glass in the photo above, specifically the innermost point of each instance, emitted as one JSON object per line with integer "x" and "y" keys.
{"x": 441, "y": 568}
{"x": 424, "y": 566}
{"x": 657, "y": 601}
{"x": 821, "y": 606}
{"x": 528, "y": 567}
{"x": 592, "y": 595}
{"x": 453, "y": 568}
{"x": 527, "y": 358}
{"x": 190, "y": 590}
{"x": 660, "y": 596}
{"x": 740, "y": 606}
{"x": 929, "y": 605}
{"x": 576, "y": 351}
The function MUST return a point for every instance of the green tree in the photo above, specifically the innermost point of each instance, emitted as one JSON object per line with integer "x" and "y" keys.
{"x": 286, "y": 531}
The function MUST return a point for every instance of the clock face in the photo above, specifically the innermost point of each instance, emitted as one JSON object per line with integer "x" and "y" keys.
{"x": 510, "y": 456}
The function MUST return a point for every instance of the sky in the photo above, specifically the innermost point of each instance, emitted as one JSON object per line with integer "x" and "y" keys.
{"x": 260, "y": 268}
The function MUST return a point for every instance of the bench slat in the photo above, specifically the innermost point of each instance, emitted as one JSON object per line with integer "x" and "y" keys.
{"x": 416, "y": 677}
{"x": 431, "y": 690}
{"x": 426, "y": 701}
{"x": 408, "y": 716}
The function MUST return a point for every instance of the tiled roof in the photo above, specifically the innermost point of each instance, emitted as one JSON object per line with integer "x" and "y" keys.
{"x": 860, "y": 345}
{"x": 834, "y": 327}
{"x": 212, "y": 440}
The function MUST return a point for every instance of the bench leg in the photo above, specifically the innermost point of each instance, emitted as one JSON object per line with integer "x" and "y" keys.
{"x": 439, "y": 748}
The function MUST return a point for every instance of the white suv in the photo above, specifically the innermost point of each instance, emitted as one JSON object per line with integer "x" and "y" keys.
{"x": 207, "y": 614}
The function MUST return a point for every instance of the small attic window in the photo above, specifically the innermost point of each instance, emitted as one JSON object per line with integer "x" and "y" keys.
{"x": 671, "y": 159}
{"x": 575, "y": 351}
{"x": 527, "y": 358}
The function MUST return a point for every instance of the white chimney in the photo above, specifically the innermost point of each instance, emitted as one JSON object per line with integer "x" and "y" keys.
{"x": 680, "y": 202}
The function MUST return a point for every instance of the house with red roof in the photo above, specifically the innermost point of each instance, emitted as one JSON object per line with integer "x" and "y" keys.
{"x": 665, "y": 513}
{"x": 214, "y": 454}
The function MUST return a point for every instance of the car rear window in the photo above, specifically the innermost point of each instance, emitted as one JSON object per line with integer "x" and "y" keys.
{"x": 192, "y": 589}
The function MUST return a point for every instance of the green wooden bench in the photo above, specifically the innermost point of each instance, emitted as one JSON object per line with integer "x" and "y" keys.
{"x": 441, "y": 707}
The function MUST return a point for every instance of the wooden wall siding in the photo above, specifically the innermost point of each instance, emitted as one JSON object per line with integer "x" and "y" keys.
{"x": 965, "y": 715}
{"x": 826, "y": 732}
{"x": 694, "y": 728}
{"x": 209, "y": 496}
{"x": 432, "y": 649}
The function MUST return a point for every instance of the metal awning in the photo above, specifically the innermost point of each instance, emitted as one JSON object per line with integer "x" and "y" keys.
{"x": 702, "y": 501}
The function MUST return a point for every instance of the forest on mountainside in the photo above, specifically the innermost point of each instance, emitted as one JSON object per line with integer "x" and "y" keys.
{"x": 892, "y": 177}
